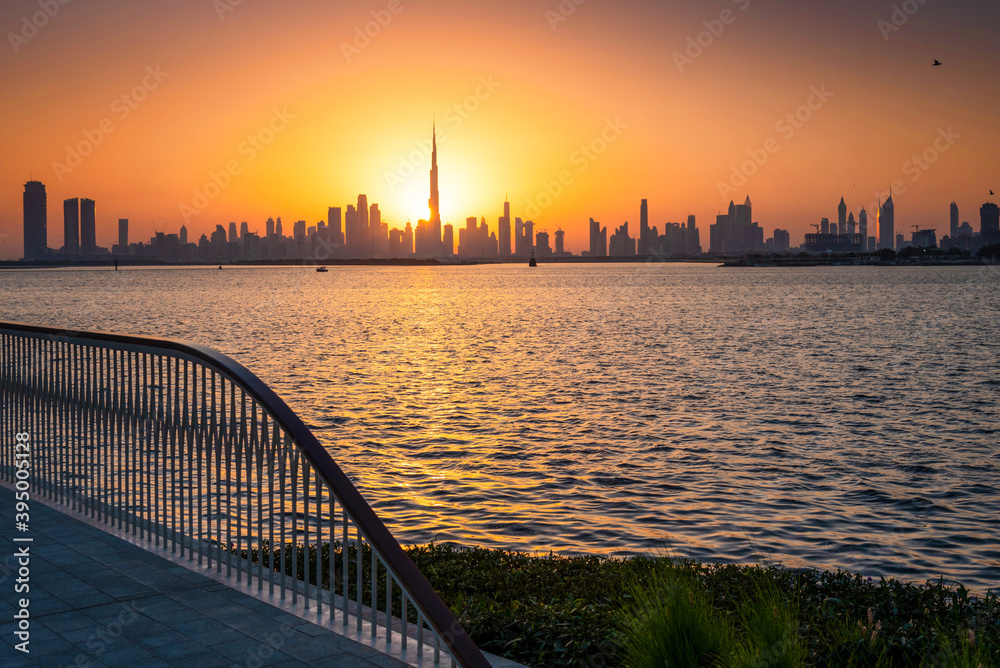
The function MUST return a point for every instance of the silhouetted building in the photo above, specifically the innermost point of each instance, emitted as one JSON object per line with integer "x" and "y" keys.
{"x": 735, "y": 232}
{"x": 621, "y": 244}
{"x": 863, "y": 229}
{"x": 842, "y": 217}
{"x": 184, "y": 234}
{"x": 925, "y": 238}
{"x": 71, "y": 227}
{"x": 335, "y": 223}
{"x": 88, "y": 227}
{"x": 123, "y": 235}
{"x": 503, "y": 231}
{"x": 989, "y": 224}
{"x": 886, "y": 224}
{"x": 598, "y": 240}
{"x": 953, "y": 227}
{"x": 560, "y": 242}
{"x": 542, "y": 244}
{"x": 647, "y": 236}
{"x": 36, "y": 240}
{"x": 782, "y": 240}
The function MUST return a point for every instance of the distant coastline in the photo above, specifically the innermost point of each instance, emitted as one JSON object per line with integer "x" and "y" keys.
{"x": 800, "y": 260}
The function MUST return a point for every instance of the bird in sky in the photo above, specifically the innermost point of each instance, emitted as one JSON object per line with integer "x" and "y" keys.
{"x": 991, "y": 192}
{"x": 936, "y": 62}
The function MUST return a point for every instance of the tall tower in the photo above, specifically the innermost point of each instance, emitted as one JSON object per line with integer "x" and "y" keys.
{"x": 71, "y": 227}
{"x": 887, "y": 224}
{"x": 863, "y": 229}
{"x": 503, "y": 233}
{"x": 434, "y": 203}
{"x": 842, "y": 217}
{"x": 88, "y": 227}
{"x": 954, "y": 221}
{"x": 35, "y": 221}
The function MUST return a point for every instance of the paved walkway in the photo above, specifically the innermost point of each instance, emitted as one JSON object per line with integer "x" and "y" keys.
{"x": 97, "y": 600}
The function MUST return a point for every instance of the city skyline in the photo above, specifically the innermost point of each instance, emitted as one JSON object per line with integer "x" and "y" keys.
{"x": 185, "y": 120}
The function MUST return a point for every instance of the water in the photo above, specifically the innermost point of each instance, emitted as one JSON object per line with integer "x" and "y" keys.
{"x": 833, "y": 417}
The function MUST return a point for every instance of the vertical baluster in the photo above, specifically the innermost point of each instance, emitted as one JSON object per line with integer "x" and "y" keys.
{"x": 184, "y": 458}
{"x": 404, "y": 617}
{"x": 374, "y": 596}
{"x": 294, "y": 464}
{"x": 272, "y": 440}
{"x": 204, "y": 464}
{"x": 345, "y": 553}
{"x": 420, "y": 634}
{"x": 305, "y": 531}
{"x": 283, "y": 504}
{"x": 215, "y": 509}
{"x": 333, "y": 562}
{"x": 260, "y": 450}
{"x": 388, "y": 605}
{"x": 360, "y": 597}
{"x": 238, "y": 438}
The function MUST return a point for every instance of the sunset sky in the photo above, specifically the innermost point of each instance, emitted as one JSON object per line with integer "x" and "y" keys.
{"x": 518, "y": 89}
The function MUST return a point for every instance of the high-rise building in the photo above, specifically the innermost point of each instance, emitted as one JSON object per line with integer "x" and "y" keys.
{"x": 184, "y": 234}
{"x": 448, "y": 242}
{"x": 244, "y": 231}
{"x": 434, "y": 203}
{"x": 335, "y": 223}
{"x": 529, "y": 237}
{"x": 852, "y": 227}
{"x": 519, "y": 237}
{"x": 36, "y": 240}
{"x": 379, "y": 245}
{"x": 88, "y": 227}
{"x": 123, "y": 234}
{"x": 646, "y": 235}
{"x": 886, "y": 224}
{"x": 503, "y": 231}
{"x": 269, "y": 228}
{"x": 352, "y": 231}
{"x": 542, "y": 244}
{"x": 621, "y": 244}
{"x": 364, "y": 248}
{"x": 824, "y": 226}
{"x": 989, "y": 224}
{"x": 953, "y": 229}
{"x": 560, "y": 242}
{"x": 598, "y": 239}
{"x": 782, "y": 240}
{"x": 863, "y": 228}
{"x": 735, "y": 232}
{"x": 233, "y": 235}
{"x": 71, "y": 227}
{"x": 842, "y": 217}
{"x": 277, "y": 228}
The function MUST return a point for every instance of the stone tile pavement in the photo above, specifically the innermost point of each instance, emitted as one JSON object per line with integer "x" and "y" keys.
{"x": 97, "y": 600}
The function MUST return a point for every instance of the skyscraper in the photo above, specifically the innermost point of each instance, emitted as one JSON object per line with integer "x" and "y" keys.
{"x": 71, "y": 227}
{"x": 184, "y": 234}
{"x": 434, "y": 203}
{"x": 989, "y": 223}
{"x": 646, "y": 240}
{"x": 364, "y": 247}
{"x": 503, "y": 231}
{"x": 269, "y": 227}
{"x": 334, "y": 222}
{"x": 88, "y": 227}
{"x": 842, "y": 217}
{"x": 123, "y": 234}
{"x": 598, "y": 239}
{"x": 560, "y": 242}
{"x": 35, "y": 221}
{"x": 863, "y": 228}
{"x": 886, "y": 224}
{"x": 953, "y": 230}
{"x": 233, "y": 235}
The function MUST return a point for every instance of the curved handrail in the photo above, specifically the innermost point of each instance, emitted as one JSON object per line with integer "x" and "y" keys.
{"x": 437, "y": 612}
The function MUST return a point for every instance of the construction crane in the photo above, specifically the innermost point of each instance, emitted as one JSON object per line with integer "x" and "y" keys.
{"x": 816, "y": 226}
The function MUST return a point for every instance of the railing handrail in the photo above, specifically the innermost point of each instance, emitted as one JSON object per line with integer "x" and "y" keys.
{"x": 409, "y": 576}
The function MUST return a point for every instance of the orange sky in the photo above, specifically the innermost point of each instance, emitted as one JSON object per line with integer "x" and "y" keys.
{"x": 354, "y": 123}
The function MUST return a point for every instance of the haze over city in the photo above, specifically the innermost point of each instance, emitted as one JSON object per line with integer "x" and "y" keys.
{"x": 571, "y": 110}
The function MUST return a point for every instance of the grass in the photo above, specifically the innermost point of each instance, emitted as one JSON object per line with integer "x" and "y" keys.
{"x": 599, "y": 612}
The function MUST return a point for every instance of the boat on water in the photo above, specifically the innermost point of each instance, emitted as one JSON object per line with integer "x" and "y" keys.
{"x": 322, "y": 269}
{"x": 531, "y": 262}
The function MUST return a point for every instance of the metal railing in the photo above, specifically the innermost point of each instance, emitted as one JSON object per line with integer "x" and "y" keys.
{"x": 182, "y": 446}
